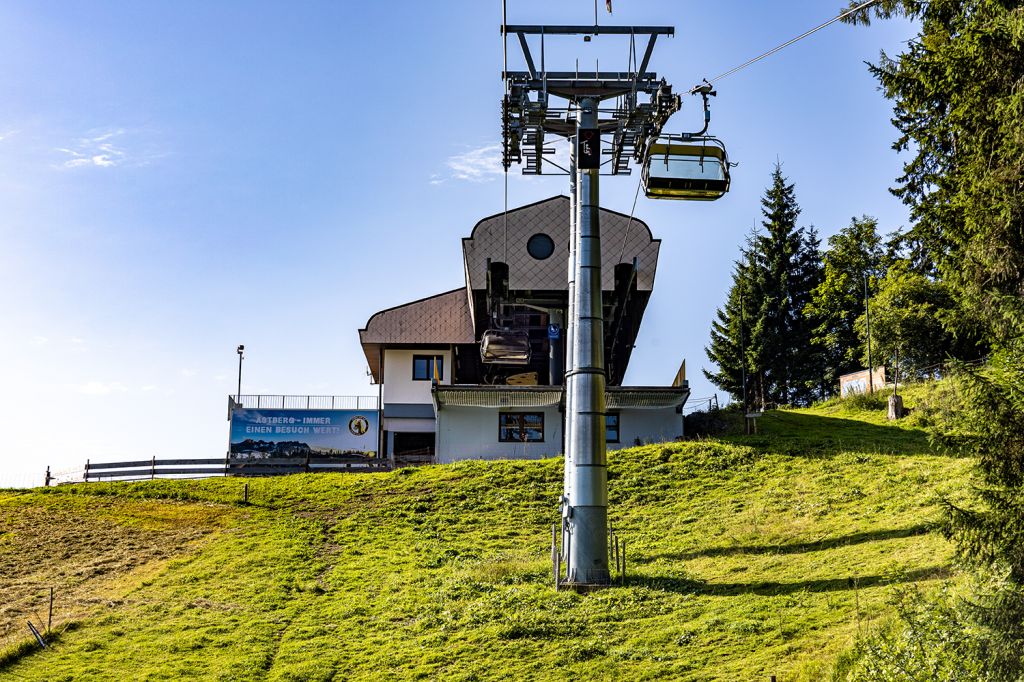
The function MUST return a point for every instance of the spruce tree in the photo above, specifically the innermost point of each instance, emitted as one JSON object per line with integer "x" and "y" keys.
{"x": 958, "y": 96}
{"x": 958, "y": 99}
{"x": 807, "y": 361}
{"x": 782, "y": 284}
{"x": 780, "y": 266}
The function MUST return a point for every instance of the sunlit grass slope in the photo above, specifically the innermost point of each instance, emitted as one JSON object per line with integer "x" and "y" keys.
{"x": 748, "y": 556}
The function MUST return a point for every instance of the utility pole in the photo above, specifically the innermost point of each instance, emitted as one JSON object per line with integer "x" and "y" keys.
{"x": 743, "y": 356}
{"x": 867, "y": 320}
{"x": 528, "y": 116}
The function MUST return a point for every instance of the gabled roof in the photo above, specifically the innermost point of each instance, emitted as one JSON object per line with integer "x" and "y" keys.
{"x": 503, "y": 238}
{"x": 441, "y": 319}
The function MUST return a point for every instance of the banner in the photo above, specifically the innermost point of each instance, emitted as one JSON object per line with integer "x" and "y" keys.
{"x": 262, "y": 433}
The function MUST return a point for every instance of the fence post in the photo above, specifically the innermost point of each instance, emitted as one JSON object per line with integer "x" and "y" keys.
{"x": 49, "y": 617}
{"x": 85, "y": 475}
{"x": 48, "y": 477}
{"x": 624, "y": 562}
{"x": 554, "y": 553}
{"x": 152, "y": 471}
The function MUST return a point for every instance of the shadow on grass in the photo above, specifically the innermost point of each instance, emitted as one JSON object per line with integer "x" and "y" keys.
{"x": 801, "y": 547}
{"x": 769, "y": 588}
{"x": 799, "y": 433}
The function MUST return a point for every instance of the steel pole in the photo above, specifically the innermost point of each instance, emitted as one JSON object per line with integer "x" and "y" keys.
{"x": 570, "y": 334}
{"x": 587, "y": 471}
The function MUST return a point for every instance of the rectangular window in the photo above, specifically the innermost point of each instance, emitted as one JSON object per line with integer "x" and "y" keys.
{"x": 521, "y": 427}
{"x": 423, "y": 367}
{"x": 611, "y": 427}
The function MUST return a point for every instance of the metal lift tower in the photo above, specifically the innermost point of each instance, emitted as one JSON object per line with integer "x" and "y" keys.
{"x": 608, "y": 118}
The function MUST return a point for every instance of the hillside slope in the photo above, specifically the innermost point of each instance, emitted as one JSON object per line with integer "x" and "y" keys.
{"x": 748, "y": 556}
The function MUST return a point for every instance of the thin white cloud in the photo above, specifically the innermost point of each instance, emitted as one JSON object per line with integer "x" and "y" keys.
{"x": 186, "y": 372}
{"x": 482, "y": 164}
{"x": 99, "y": 388}
{"x": 39, "y": 340}
{"x": 100, "y": 150}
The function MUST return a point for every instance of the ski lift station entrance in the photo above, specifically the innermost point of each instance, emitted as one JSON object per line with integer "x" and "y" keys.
{"x": 477, "y": 372}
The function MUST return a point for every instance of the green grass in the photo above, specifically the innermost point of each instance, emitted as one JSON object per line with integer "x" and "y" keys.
{"x": 748, "y": 556}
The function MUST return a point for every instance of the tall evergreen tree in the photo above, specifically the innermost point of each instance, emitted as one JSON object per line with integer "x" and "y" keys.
{"x": 782, "y": 284}
{"x": 807, "y": 361}
{"x": 779, "y": 269}
{"x": 958, "y": 96}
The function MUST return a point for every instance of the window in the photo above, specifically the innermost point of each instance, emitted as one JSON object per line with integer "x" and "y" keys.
{"x": 423, "y": 367}
{"x": 611, "y": 427}
{"x": 540, "y": 246}
{"x": 521, "y": 427}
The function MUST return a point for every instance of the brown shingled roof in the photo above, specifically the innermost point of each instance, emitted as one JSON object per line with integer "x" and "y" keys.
{"x": 441, "y": 319}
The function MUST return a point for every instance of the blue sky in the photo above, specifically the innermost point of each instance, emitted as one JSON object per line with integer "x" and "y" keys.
{"x": 179, "y": 177}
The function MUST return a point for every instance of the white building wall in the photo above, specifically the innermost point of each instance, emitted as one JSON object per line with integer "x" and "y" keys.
{"x": 649, "y": 426}
{"x": 399, "y": 386}
{"x": 472, "y": 433}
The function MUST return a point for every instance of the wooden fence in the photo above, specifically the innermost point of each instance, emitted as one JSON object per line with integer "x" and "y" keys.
{"x": 223, "y": 466}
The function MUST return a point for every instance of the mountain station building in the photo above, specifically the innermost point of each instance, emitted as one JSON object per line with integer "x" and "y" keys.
{"x": 477, "y": 372}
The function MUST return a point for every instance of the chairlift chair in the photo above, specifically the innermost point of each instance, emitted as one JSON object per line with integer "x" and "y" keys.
{"x": 505, "y": 347}
{"x": 684, "y": 167}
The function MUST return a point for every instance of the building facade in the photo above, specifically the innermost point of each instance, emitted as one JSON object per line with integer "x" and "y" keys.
{"x": 477, "y": 372}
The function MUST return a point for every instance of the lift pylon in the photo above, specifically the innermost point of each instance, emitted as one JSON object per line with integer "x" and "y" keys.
{"x": 614, "y": 114}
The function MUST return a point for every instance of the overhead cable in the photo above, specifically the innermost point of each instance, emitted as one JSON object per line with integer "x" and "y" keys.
{"x": 786, "y": 44}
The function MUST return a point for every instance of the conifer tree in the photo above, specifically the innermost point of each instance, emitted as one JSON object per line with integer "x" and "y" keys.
{"x": 782, "y": 282}
{"x": 779, "y": 269}
{"x": 958, "y": 96}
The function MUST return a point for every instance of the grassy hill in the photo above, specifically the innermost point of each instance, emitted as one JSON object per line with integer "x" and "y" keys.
{"x": 748, "y": 556}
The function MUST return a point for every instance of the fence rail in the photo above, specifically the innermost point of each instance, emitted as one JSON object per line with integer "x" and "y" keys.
{"x": 135, "y": 470}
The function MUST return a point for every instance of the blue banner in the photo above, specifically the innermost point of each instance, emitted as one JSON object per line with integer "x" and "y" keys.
{"x": 262, "y": 433}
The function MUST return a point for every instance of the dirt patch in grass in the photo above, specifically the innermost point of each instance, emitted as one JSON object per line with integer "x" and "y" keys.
{"x": 82, "y": 547}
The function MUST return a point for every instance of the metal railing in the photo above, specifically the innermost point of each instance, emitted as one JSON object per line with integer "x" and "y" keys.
{"x": 305, "y": 402}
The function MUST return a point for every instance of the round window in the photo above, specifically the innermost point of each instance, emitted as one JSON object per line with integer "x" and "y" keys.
{"x": 540, "y": 246}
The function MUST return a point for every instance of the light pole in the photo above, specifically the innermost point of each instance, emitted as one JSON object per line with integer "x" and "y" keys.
{"x": 238, "y": 396}
{"x": 867, "y": 320}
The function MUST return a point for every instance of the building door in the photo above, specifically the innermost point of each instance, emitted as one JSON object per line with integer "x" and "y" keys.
{"x": 414, "y": 448}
